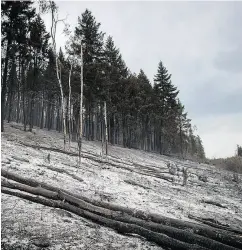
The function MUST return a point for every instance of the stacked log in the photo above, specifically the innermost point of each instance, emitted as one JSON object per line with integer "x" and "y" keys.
{"x": 164, "y": 231}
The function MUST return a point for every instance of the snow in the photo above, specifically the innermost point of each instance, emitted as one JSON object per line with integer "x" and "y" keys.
{"x": 111, "y": 181}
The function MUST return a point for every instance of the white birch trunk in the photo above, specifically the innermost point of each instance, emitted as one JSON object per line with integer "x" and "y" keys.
{"x": 81, "y": 104}
{"x": 106, "y": 127}
{"x": 58, "y": 70}
{"x": 102, "y": 130}
{"x": 69, "y": 108}
{"x": 58, "y": 73}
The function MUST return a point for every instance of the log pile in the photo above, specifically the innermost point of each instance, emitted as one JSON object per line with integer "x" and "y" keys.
{"x": 164, "y": 231}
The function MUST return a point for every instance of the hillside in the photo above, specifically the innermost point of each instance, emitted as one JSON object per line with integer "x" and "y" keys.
{"x": 129, "y": 178}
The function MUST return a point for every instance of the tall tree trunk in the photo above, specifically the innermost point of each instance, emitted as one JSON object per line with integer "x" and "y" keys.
{"x": 42, "y": 112}
{"x": 62, "y": 100}
{"x": 106, "y": 127}
{"x": 24, "y": 97}
{"x": 48, "y": 122}
{"x": 18, "y": 100}
{"x": 31, "y": 114}
{"x": 69, "y": 108}
{"x": 181, "y": 142}
{"x": 54, "y": 18}
{"x": 124, "y": 130}
{"x": 81, "y": 104}
{"x": 4, "y": 85}
{"x": 89, "y": 121}
{"x": 10, "y": 103}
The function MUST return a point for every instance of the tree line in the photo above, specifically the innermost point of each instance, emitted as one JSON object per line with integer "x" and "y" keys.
{"x": 139, "y": 114}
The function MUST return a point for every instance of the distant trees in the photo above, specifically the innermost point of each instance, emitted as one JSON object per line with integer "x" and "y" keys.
{"x": 239, "y": 150}
{"x": 139, "y": 114}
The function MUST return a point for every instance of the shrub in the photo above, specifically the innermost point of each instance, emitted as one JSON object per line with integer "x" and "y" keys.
{"x": 234, "y": 164}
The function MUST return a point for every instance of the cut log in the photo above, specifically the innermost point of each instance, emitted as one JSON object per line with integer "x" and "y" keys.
{"x": 20, "y": 159}
{"x": 175, "y": 233}
{"x": 100, "y": 207}
{"x": 61, "y": 171}
{"x": 133, "y": 183}
{"x": 212, "y": 223}
{"x": 215, "y": 203}
{"x": 102, "y": 161}
{"x": 123, "y": 228}
{"x": 119, "y": 216}
{"x": 33, "y": 190}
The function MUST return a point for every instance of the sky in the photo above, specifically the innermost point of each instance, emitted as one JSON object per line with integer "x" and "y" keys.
{"x": 200, "y": 43}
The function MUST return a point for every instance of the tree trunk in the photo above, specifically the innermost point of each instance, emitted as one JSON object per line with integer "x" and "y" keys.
{"x": 81, "y": 104}
{"x": 42, "y": 112}
{"x": 4, "y": 85}
{"x": 31, "y": 114}
{"x": 106, "y": 128}
{"x": 69, "y": 108}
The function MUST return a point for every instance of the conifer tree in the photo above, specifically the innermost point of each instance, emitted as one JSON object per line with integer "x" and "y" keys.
{"x": 87, "y": 33}
{"x": 145, "y": 109}
{"x": 137, "y": 114}
{"x": 115, "y": 70}
{"x": 16, "y": 16}
{"x": 164, "y": 100}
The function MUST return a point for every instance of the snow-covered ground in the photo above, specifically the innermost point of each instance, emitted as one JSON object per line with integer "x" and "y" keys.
{"x": 127, "y": 177}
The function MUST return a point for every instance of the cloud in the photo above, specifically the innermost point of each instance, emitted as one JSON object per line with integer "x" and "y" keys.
{"x": 198, "y": 42}
{"x": 216, "y": 96}
{"x": 230, "y": 61}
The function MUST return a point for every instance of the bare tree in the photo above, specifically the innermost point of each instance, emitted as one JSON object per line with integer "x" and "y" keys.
{"x": 106, "y": 127}
{"x": 69, "y": 107}
{"x": 55, "y": 20}
{"x": 81, "y": 107}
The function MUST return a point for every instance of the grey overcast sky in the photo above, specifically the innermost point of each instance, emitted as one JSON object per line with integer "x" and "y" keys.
{"x": 200, "y": 43}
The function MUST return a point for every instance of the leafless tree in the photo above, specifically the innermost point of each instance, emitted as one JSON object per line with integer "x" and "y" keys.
{"x": 54, "y": 21}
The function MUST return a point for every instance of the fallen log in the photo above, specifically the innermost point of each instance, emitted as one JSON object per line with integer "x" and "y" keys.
{"x": 123, "y": 228}
{"x": 216, "y": 225}
{"x": 219, "y": 235}
{"x": 33, "y": 190}
{"x": 61, "y": 171}
{"x": 119, "y": 216}
{"x": 26, "y": 181}
{"x": 215, "y": 203}
{"x": 102, "y": 161}
{"x": 175, "y": 233}
{"x": 149, "y": 167}
{"x": 20, "y": 159}
{"x": 16, "y": 127}
{"x": 136, "y": 184}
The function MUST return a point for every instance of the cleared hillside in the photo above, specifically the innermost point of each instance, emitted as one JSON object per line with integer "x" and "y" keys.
{"x": 129, "y": 178}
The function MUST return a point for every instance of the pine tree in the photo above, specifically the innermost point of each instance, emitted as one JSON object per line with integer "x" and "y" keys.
{"x": 115, "y": 69}
{"x": 164, "y": 100}
{"x": 50, "y": 93}
{"x": 15, "y": 25}
{"x": 87, "y": 32}
{"x": 166, "y": 92}
{"x": 200, "y": 148}
{"x": 137, "y": 114}
{"x": 38, "y": 43}
{"x": 183, "y": 126}
{"x": 145, "y": 109}
{"x": 239, "y": 150}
